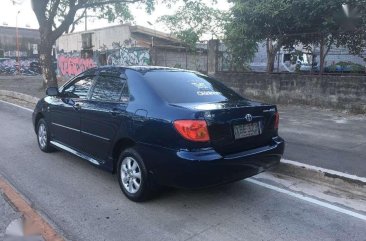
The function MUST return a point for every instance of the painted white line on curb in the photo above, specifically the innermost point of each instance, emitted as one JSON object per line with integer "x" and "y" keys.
{"x": 21, "y": 107}
{"x": 308, "y": 199}
{"x": 324, "y": 170}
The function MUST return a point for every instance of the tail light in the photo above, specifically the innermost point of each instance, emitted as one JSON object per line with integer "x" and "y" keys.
{"x": 277, "y": 120}
{"x": 192, "y": 130}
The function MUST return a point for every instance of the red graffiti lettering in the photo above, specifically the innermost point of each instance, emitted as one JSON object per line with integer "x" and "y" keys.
{"x": 71, "y": 66}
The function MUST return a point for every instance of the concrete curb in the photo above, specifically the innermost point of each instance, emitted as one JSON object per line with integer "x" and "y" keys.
{"x": 21, "y": 96}
{"x": 338, "y": 180}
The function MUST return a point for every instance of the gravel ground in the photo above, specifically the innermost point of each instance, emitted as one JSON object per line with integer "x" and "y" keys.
{"x": 30, "y": 85}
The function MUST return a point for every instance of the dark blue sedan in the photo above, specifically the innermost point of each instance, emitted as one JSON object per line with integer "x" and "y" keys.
{"x": 158, "y": 126}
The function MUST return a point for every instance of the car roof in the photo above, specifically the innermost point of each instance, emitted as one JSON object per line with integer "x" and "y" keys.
{"x": 118, "y": 70}
{"x": 141, "y": 69}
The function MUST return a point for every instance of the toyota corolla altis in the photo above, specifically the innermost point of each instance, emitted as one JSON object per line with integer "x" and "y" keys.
{"x": 156, "y": 126}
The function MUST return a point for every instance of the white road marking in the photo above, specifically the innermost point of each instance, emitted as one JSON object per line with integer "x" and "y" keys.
{"x": 324, "y": 170}
{"x": 21, "y": 107}
{"x": 15, "y": 228}
{"x": 308, "y": 199}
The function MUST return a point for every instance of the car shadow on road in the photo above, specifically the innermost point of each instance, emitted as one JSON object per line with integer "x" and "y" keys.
{"x": 240, "y": 191}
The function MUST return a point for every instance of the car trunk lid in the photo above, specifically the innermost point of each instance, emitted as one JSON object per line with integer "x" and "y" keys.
{"x": 237, "y": 126}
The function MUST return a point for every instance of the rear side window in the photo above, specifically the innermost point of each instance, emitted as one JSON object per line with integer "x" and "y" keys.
{"x": 108, "y": 88}
{"x": 186, "y": 87}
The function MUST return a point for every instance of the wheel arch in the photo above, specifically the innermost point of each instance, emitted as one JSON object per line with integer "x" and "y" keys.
{"x": 121, "y": 145}
{"x": 36, "y": 120}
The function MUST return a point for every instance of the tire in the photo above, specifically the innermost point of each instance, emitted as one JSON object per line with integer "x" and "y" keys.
{"x": 43, "y": 136}
{"x": 133, "y": 177}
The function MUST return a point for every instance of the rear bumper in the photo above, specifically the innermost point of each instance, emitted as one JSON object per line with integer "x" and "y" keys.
{"x": 204, "y": 168}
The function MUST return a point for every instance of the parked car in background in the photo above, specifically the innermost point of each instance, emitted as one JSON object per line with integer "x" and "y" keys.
{"x": 35, "y": 67}
{"x": 345, "y": 67}
{"x": 159, "y": 126}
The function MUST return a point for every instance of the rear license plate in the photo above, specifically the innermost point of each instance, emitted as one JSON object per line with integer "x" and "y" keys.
{"x": 246, "y": 130}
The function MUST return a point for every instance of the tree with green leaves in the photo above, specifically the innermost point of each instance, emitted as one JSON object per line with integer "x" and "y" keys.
{"x": 353, "y": 35}
{"x": 320, "y": 23}
{"x": 257, "y": 21}
{"x": 286, "y": 23}
{"x": 193, "y": 20}
{"x": 56, "y": 17}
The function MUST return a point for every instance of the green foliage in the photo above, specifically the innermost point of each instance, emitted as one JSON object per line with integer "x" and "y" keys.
{"x": 57, "y": 16}
{"x": 192, "y": 20}
{"x": 290, "y": 22}
{"x": 241, "y": 49}
{"x": 101, "y": 9}
{"x": 254, "y": 21}
{"x": 354, "y": 28}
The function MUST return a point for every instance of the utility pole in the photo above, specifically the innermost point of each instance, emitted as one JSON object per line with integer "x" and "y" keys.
{"x": 17, "y": 2}
{"x": 152, "y": 43}
{"x": 17, "y": 43}
{"x": 86, "y": 20}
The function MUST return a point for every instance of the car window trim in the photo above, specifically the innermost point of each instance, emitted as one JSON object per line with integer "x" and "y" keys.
{"x": 76, "y": 79}
{"x": 110, "y": 101}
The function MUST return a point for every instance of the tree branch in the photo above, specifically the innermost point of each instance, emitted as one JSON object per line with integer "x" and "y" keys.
{"x": 39, "y": 7}
{"x": 54, "y": 9}
{"x": 90, "y": 5}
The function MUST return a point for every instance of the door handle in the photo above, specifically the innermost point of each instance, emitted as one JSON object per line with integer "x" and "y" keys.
{"x": 115, "y": 112}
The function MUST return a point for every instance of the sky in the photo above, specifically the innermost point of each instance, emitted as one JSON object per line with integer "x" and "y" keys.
{"x": 26, "y": 17}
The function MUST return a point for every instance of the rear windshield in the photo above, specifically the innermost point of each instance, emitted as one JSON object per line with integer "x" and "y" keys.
{"x": 186, "y": 87}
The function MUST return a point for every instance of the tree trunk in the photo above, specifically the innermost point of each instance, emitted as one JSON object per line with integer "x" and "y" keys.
{"x": 46, "y": 63}
{"x": 324, "y": 50}
{"x": 321, "y": 57}
{"x": 271, "y": 56}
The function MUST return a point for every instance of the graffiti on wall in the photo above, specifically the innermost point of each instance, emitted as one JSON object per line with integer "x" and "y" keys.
{"x": 25, "y": 66}
{"x": 129, "y": 56}
{"x": 72, "y": 65}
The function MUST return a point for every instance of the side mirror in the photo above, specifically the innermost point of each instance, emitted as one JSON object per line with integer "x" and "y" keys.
{"x": 52, "y": 91}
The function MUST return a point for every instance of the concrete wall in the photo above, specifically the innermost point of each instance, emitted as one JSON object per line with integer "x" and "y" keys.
{"x": 180, "y": 58}
{"x": 29, "y": 40}
{"x": 328, "y": 91}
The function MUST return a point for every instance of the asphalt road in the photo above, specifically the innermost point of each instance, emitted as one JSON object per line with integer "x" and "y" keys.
{"x": 85, "y": 203}
{"x": 324, "y": 138}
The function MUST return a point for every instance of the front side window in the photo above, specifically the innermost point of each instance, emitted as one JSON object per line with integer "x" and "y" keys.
{"x": 80, "y": 88}
{"x": 108, "y": 88}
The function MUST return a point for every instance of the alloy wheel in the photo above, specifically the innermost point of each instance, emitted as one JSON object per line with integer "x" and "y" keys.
{"x": 42, "y": 135}
{"x": 131, "y": 175}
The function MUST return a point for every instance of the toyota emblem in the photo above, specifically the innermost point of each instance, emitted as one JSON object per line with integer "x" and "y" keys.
{"x": 249, "y": 117}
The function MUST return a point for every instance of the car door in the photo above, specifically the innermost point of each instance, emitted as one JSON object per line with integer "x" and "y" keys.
{"x": 65, "y": 113}
{"x": 102, "y": 115}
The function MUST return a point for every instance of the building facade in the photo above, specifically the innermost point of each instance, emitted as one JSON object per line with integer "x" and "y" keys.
{"x": 19, "y": 50}
{"x": 124, "y": 45}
